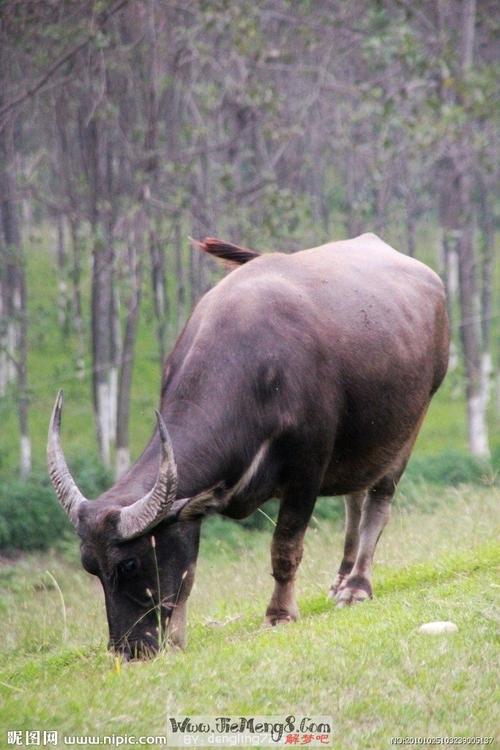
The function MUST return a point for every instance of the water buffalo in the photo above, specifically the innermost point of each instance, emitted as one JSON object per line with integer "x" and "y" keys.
{"x": 297, "y": 375}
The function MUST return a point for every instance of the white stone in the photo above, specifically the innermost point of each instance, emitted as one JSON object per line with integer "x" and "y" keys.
{"x": 436, "y": 628}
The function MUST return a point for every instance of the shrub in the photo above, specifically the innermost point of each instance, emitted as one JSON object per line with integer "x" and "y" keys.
{"x": 31, "y": 518}
{"x": 452, "y": 468}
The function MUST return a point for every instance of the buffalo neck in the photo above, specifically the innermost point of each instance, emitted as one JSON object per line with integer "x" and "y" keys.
{"x": 205, "y": 450}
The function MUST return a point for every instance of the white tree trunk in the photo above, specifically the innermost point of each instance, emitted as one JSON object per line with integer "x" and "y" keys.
{"x": 11, "y": 352}
{"x": 25, "y": 449}
{"x": 453, "y": 357}
{"x": 3, "y": 342}
{"x": 62, "y": 303}
{"x": 452, "y": 270}
{"x": 486, "y": 373}
{"x": 3, "y": 371}
{"x": 478, "y": 428}
{"x": 103, "y": 418}
{"x": 122, "y": 461}
{"x": 113, "y": 401}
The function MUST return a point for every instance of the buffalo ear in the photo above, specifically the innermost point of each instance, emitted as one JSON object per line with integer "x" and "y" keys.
{"x": 209, "y": 501}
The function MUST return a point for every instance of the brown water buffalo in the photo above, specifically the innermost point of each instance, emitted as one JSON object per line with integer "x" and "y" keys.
{"x": 297, "y": 375}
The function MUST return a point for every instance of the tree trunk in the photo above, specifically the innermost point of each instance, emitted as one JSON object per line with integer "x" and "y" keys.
{"x": 353, "y": 220}
{"x": 180, "y": 274}
{"x": 3, "y": 325}
{"x": 159, "y": 287}
{"x": 25, "y": 441}
{"x": 469, "y": 300}
{"x": 411, "y": 218}
{"x": 470, "y": 334}
{"x": 456, "y": 189}
{"x": 62, "y": 300}
{"x": 449, "y": 272}
{"x": 487, "y": 242}
{"x": 76, "y": 295}
{"x": 97, "y": 146}
{"x": 126, "y": 364}
{"x": 115, "y": 347}
{"x": 101, "y": 347}
{"x": 15, "y": 300}
{"x": 193, "y": 276}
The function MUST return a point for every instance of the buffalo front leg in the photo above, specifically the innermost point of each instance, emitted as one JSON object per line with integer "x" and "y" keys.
{"x": 353, "y": 505}
{"x": 375, "y": 513}
{"x": 286, "y": 553}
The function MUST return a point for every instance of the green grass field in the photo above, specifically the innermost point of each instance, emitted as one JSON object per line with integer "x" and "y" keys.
{"x": 368, "y": 667}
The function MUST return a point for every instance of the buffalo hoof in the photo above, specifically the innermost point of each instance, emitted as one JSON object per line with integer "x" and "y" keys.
{"x": 352, "y": 591}
{"x": 349, "y": 596}
{"x": 279, "y": 618}
{"x": 338, "y": 583}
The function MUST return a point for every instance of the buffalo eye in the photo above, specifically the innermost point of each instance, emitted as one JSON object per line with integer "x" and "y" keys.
{"x": 128, "y": 567}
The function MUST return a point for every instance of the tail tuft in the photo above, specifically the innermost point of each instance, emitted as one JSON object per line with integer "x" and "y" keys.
{"x": 230, "y": 255}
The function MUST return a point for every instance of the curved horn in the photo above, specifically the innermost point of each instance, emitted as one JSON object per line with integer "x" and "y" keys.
{"x": 137, "y": 518}
{"x": 63, "y": 483}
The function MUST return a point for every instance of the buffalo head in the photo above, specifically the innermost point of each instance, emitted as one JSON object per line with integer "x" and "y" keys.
{"x": 143, "y": 557}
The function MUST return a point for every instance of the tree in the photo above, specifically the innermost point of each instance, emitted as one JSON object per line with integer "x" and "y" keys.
{"x": 13, "y": 305}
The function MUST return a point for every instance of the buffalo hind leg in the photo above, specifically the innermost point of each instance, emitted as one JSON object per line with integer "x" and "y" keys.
{"x": 375, "y": 513}
{"x": 286, "y": 552}
{"x": 353, "y": 505}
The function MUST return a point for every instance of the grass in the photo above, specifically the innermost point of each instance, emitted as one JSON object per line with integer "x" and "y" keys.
{"x": 367, "y": 667}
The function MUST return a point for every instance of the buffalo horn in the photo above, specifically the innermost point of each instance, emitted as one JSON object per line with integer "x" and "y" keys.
{"x": 63, "y": 483}
{"x": 145, "y": 513}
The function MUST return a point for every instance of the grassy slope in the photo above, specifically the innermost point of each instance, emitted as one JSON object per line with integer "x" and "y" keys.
{"x": 367, "y": 666}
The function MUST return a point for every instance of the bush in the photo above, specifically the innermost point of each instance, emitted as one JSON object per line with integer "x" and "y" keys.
{"x": 31, "y": 518}
{"x": 452, "y": 468}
